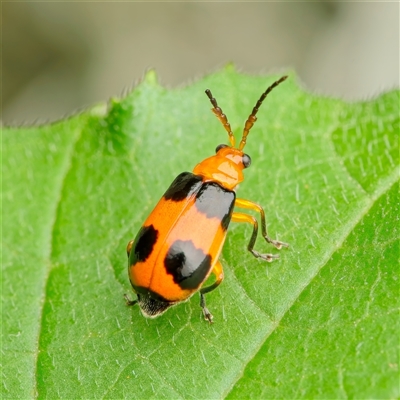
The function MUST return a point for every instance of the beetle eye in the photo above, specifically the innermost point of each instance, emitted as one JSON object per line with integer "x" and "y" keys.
{"x": 246, "y": 160}
{"x": 220, "y": 146}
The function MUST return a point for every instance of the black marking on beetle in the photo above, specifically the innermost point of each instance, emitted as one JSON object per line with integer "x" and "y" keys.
{"x": 216, "y": 202}
{"x": 151, "y": 303}
{"x": 153, "y": 307}
{"x": 226, "y": 219}
{"x": 183, "y": 186}
{"x": 187, "y": 264}
{"x": 143, "y": 244}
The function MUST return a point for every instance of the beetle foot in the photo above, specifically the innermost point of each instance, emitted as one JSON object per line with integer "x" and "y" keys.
{"x": 267, "y": 257}
{"x": 278, "y": 244}
{"x": 129, "y": 302}
{"x": 207, "y": 315}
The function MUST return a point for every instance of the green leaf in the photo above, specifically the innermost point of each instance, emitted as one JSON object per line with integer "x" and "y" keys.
{"x": 322, "y": 322}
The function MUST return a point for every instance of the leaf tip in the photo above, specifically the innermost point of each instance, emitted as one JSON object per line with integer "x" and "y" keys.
{"x": 151, "y": 77}
{"x": 230, "y": 67}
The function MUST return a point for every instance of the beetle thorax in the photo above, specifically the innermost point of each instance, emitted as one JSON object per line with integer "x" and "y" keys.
{"x": 225, "y": 168}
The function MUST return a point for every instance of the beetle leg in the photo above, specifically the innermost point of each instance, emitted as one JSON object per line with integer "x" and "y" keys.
{"x": 241, "y": 217}
{"x": 219, "y": 277}
{"x": 129, "y": 247}
{"x": 242, "y": 203}
{"x": 129, "y": 302}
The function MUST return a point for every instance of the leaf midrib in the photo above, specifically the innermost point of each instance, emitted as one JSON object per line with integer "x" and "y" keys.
{"x": 66, "y": 170}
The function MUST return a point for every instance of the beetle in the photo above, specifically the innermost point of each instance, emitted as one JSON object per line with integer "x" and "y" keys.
{"x": 179, "y": 244}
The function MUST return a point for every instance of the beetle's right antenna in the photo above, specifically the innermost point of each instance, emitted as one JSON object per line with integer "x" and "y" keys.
{"x": 222, "y": 117}
{"x": 252, "y": 117}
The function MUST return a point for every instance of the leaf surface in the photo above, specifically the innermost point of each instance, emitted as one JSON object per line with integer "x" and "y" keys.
{"x": 321, "y": 322}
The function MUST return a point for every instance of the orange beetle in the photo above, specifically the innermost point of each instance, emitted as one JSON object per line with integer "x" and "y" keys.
{"x": 179, "y": 244}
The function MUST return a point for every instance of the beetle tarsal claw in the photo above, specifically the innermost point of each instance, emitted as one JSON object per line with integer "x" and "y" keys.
{"x": 277, "y": 243}
{"x": 267, "y": 257}
{"x": 207, "y": 315}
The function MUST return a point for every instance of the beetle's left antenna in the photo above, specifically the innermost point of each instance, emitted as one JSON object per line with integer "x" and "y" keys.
{"x": 222, "y": 117}
{"x": 252, "y": 117}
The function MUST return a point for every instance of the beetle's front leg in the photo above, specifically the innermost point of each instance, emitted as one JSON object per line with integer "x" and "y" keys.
{"x": 242, "y": 203}
{"x": 241, "y": 217}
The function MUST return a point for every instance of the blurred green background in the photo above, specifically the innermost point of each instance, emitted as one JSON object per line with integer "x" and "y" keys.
{"x": 59, "y": 57}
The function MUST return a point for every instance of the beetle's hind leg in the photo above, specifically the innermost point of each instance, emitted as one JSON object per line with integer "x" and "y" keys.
{"x": 219, "y": 277}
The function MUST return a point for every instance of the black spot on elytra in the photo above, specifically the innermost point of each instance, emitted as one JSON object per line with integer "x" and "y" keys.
{"x": 216, "y": 202}
{"x": 183, "y": 186}
{"x": 143, "y": 244}
{"x": 226, "y": 219}
{"x": 187, "y": 264}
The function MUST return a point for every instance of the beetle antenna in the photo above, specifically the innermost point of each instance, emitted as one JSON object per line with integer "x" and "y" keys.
{"x": 252, "y": 117}
{"x": 221, "y": 116}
